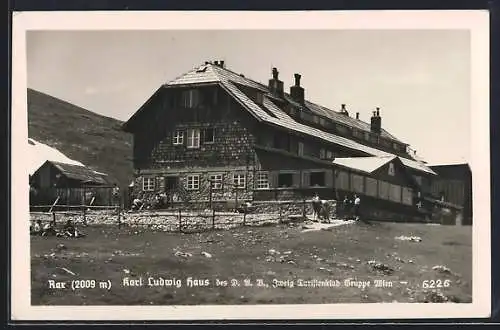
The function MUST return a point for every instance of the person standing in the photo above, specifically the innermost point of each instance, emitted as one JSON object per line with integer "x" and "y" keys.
{"x": 357, "y": 205}
{"x": 316, "y": 205}
{"x": 116, "y": 195}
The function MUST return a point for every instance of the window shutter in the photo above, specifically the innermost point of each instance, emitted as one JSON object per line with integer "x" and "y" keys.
{"x": 273, "y": 179}
{"x": 306, "y": 179}
{"x": 329, "y": 178}
{"x": 296, "y": 179}
{"x": 160, "y": 183}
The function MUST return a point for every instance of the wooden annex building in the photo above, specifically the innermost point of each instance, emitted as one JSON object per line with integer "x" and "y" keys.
{"x": 213, "y": 134}
{"x": 68, "y": 182}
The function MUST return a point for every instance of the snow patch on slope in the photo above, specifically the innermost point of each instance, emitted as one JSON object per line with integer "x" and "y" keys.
{"x": 39, "y": 153}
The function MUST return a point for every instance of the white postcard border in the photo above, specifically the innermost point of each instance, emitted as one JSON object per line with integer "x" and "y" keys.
{"x": 477, "y": 22}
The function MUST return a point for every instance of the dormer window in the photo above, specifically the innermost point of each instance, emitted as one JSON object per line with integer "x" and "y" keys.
{"x": 357, "y": 133}
{"x": 259, "y": 98}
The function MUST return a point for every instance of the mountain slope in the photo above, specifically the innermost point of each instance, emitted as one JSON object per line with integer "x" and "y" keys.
{"x": 96, "y": 141}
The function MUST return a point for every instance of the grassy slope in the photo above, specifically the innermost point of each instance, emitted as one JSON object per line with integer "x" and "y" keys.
{"x": 107, "y": 254}
{"x": 82, "y": 135}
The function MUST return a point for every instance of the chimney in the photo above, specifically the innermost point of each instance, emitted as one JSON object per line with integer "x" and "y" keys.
{"x": 276, "y": 85}
{"x": 216, "y": 63}
{"x": 376, "y": 122}
{"x": 343, "y": 110}
{"x": 297, "y": 92}
{"x": 221, "y": 64}
{"x": 207, "y": 62}
{"x": 357, "y": 115}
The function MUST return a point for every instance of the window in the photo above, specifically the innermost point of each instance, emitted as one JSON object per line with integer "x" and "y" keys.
{"x": 209, "y": 135}
{"x": 396, "y": 146}
{"x": 367, "y": 136}
{"x": 193, "y": 138}
{"x": 301, "y": 149}
{"x": 407, "y": 197}
{"x": 317, "y": 179}
{"x": 178, "y": 137}
{"x": 392, "y": 171}
{"x": 322, "y": 121}
{"x": 259, "y": 98}
{"x": 216, "y": 180}
{"x": 193, "y": 182}
{"x": 285, "y": 180}
{"x": 383, "y": 190}
{"x": 262, "y": 180}
{"x": 342, "y": 180}
{"x": 341, "y": 129}
{"x": 190, "y": 98}
{"x": 330, "y": 154}
{"x": 371, "y": 187}
{"x": 148, "y": 184}
{"x": 357, "y": 133}
{"x": 374, "y": 138}
{"x": 357, "y": 184}
{"x": 385, "y": 143}
{"x": 395, "y": 193}
{"x": 315, "y": 119}
{"x": 418, "y": 179}
{"x": 239, "y": 181}
{"x": 322, "y": 153}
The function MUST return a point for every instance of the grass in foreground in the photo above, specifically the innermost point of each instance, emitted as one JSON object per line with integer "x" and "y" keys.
{"x": 268, "y": 253}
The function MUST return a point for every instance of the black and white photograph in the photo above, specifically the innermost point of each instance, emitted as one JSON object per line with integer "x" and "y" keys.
{"x": 259, "y": 167}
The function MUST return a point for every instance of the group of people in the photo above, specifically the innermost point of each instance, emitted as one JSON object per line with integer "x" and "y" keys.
{"x": 49, "y": 229}
{"x": 348, "y": 209}
{"x": 158, "y": 201}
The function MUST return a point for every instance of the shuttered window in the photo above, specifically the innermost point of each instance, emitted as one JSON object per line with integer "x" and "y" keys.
{"x": 193, "y": 138}
{"x": 395, "y": 193}
{"x": 191, "y": 98}
{"x": 342, "y": 180}
{"x": 178, "y": 137}
{"x": 148, "y": 184}
{"x": 285, "y": 180}
{"x": 371, "y": 187}
{"x": 262, "y": 180}
{"x": 193, "y": 182}
{"x": 357, "y": 184}
{"x": 317, "y": 179}
{"x": 216, "y": 180}
{"x": 407, "y": 197}
{"x": 239, "y": 181}
{"x": 383, "y": 190}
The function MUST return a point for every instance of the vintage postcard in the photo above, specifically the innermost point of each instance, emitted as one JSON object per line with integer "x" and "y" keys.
{"x": 245, "y": 165}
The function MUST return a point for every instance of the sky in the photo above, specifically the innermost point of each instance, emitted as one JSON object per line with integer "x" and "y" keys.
{"x": 420, "y": 79}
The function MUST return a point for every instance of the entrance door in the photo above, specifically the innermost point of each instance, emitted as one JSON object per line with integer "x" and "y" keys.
{"x": 171, "y": 187}
{"x": 171, "y": 183}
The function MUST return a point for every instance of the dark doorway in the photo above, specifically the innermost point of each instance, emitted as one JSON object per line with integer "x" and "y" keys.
{"x": 171, "y": 183}
{"x": 171, "y": 186}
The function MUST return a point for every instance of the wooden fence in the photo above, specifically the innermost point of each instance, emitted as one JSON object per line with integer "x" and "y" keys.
{"x": 178, "y": 220}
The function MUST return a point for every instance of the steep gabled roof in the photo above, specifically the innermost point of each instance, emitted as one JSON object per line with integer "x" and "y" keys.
{"x": 80, "y": 173}
{"x": 215, "y": 74}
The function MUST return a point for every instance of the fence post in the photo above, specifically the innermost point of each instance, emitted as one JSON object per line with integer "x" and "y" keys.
{"x": 279, "y": 207}
{"x": 119, "y": 215}
{"x": 244, "y": 217}
{"x": 213, "y": 219}
{"x": 84, "y": 215}
{"x": 180, "y": 223}
{"x": 54, "y": 219}
{"x": 304, "y": 204}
